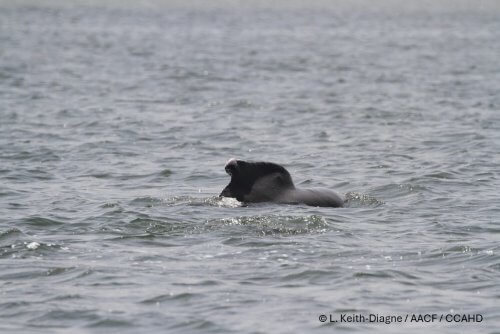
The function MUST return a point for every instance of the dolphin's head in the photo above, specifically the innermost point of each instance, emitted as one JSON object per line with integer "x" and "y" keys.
{"x": 255, "y": 181}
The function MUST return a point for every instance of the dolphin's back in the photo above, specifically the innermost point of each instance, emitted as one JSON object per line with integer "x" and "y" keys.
{"x": 313, "y": 197}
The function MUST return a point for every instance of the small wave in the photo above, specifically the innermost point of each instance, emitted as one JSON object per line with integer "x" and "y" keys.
{"x": 59, "y": 315}
{"x": 147, "y": 201}
{"x": 224, "y": 202}
{"x": 109, "y": 205}
{"x": 372, "y": 274}
{"x": 75, "y": 274}
{"x": 170, "y": 297}
{"x": 62, "y": 297}
{"x": 398, "y": 190}
{"x": 58, "y": 270}
{"x": 112, "y": 323}
{"x": 129, "y": 176}
{"x": 41, "y": 221}
{"x": 147, "y": 229}
{"x": 165, "y": 173}
{"x": 197, "y": 201}
{"x": 354, "y": 199}
{"x": 274, "y": 224}
{"x": 28, "y": 175}
{"x": 26, "y": 249}
{"x": 150, "y": 201}
{"x": 441, "y": 175}
{"x": 201, "y": 283}
{"x": 242, "y": 104}
{"x": 146, "y": 223}
{"x": 11, "y": 232}
{"x": 34, "y": 273}
{"x": 310, "y": 275}
{"x": 461, "y": 254}
{"x": 175, "y": 200}
{"x": 37, "y": 156}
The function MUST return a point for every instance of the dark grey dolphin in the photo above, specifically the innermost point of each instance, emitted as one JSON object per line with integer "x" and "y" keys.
{"x": 253, "y": 182}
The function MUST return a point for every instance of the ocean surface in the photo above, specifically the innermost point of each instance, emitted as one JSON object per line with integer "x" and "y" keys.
{"x": 116, "y": 120}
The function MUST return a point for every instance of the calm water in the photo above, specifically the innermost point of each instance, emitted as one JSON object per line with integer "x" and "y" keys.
{"x": 116, "y": 122}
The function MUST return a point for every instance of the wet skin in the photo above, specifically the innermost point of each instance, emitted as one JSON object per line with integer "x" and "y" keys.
{"x": 254, "y": 182}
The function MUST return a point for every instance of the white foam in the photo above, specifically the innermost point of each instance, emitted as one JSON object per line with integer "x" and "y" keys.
{"x": 229, "y": 202}
{"x": 33, "y": 245}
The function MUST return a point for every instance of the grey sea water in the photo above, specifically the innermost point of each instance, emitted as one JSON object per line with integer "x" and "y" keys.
{"x": 116, "y": 120}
